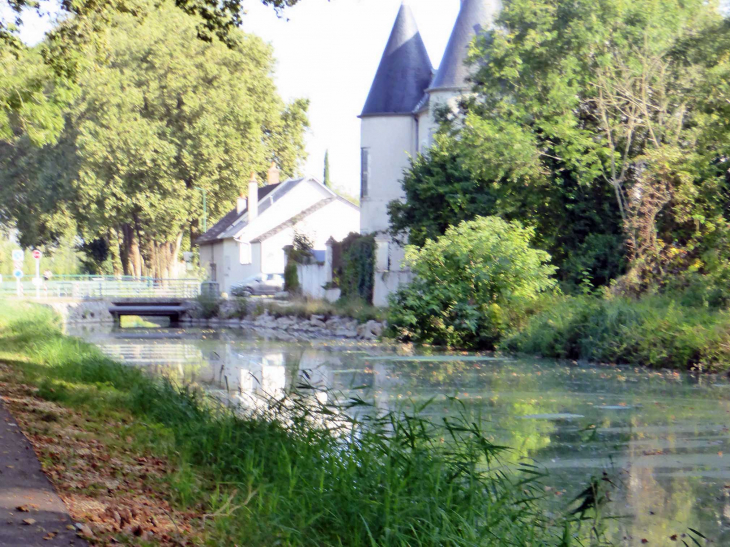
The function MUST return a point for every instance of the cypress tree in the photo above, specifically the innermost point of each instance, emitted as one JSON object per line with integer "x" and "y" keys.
{"x": 327, "y": 181}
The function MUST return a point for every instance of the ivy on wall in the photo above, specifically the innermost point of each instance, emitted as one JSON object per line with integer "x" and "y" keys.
{"x": 354, "y": 266}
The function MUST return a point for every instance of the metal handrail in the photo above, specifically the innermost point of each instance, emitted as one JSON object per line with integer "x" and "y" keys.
{"x": 100, "y": 287}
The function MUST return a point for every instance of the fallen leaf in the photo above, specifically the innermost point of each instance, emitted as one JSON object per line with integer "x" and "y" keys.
{"x": 22, "y": 509}
{"x": 29, "y": 522}
{"x": 50, "y": 535}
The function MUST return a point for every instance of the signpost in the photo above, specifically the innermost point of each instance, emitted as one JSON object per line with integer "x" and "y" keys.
{"x": 18, "y": 274}
{"x": 37, "y": 281}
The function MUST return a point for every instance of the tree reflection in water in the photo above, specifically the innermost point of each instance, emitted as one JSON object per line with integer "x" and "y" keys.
{"x": 661, "y": 435}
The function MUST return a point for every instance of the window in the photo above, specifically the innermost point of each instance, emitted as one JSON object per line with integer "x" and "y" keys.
{"x": 364, "y": 171}
{"x": 245, "y": 252}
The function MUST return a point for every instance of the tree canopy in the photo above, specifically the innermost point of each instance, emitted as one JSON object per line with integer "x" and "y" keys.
{"x": 602, "y": 124}
{"x": 162, "y": 118}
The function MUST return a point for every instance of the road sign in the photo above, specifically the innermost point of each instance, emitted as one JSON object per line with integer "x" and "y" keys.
{"x": 37, "y": 282}
{"x": 37, "y": 254}
{"x": 18, "y": 274}
{"x": 18, "y": 255}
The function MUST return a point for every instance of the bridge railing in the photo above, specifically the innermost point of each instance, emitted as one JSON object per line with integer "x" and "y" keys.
{"x": 103, "y": 287}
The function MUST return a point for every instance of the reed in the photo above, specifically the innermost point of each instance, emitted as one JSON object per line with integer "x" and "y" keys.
{"x": 301, "y": 472}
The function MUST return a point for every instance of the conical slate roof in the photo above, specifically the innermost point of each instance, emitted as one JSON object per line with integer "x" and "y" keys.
{"x": 475, "y": 16}
{"x": 405, "y": 70}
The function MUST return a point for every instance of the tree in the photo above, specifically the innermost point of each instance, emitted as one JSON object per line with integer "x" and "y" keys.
{"x": 327, "y": 181}
{"x": 470, "y": 284}
{"x": 577, "y": 224}
{"x": 165, "y": 114}
{"x": 606, "y": 90}
{"x": 575, "y": 101}
{"x": 64, "y": 56}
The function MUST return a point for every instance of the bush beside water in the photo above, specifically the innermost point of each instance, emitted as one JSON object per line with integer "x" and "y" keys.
{"x": 472, "y": 284}
{"x": 302, "y": 473}
{"x": 656, "y": 330}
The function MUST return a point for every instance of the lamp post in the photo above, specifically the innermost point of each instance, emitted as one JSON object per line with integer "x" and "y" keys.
{"x": 205, "y": 208}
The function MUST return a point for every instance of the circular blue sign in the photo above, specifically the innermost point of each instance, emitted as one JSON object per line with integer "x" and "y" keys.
{"x": 18, "y": 274}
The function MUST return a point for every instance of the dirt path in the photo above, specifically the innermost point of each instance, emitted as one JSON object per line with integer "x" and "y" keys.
{"x": 31, "y": 513}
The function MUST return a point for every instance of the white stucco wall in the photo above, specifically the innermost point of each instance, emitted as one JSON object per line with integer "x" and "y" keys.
{"x": 391, "y": 141}
{"x": 427, "y": 125}
{"x": 336, "y": 219}
{"x": 387, "y": 283}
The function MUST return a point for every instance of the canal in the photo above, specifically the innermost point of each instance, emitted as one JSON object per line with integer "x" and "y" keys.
{"x": 662, "y": 437}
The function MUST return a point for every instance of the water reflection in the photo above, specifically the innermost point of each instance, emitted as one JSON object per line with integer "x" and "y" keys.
{"x": 663, "y": 435}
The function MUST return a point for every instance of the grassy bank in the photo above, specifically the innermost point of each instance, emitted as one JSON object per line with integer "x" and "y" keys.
{"x": 656, "y": 331}
{"x": 279, "y": 476}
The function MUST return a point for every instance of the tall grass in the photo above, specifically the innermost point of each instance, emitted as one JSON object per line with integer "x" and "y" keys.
{"x": 657, "y": 331}
{"x": 299, "y": 472}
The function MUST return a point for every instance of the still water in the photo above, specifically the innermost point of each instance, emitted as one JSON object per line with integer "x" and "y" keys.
{"x": 662, "y": 436}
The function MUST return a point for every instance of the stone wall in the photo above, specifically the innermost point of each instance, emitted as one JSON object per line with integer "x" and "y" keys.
{"x": 298, "y": 328}
{"x": 82, "y": 311}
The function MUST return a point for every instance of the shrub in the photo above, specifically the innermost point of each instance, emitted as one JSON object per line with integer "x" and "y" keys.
{"x": 471, "y": 284}
{"x": 291, "y": 277}
{"x": 356, "y": 268}
{"x": 208, "y": 306}
{"x": 237, "y": 308}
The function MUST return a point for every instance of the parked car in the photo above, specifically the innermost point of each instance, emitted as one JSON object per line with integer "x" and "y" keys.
{"x": 259, "y": 285}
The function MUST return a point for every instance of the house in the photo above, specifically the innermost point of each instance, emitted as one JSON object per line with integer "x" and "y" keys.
{"x": 399, "y": 121}
{"x": 250, "y": 239}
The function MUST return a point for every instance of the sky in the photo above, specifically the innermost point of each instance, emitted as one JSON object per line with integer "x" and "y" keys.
{"x": 328, "y": 52}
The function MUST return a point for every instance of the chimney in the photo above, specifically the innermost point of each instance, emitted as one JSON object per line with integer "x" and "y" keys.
{"x": 272, "y": 177}
{"x": 253, "y": 198}
{"x": 241, "y": 204}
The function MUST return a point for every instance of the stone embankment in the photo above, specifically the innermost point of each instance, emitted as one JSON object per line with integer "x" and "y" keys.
{"x": 82, "y": 311}
{"x": 298, "y": 328}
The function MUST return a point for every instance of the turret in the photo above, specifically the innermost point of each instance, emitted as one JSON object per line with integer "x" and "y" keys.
{"x": 389, "y": 133}
{"x": 452, "y": 78}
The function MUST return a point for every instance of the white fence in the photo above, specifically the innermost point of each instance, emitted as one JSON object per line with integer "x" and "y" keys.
{"x": 312, "y": 279}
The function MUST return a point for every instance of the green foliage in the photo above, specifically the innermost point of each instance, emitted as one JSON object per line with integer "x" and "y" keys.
{"x": 300, "y": 252}
{"x": 25, "y": 95}
{"x": 579, "y": 225}
{"x": 656, "y": 331}
{"x": 603, "y": 124}
{"x": 356, "y": 269}
{"x": 238, "y": 308}
{"x": 161, "y": 115}
{"x": 208, "y": 306}
{"x": 471, "y": 285}
{"x": 354, "y": 308}
{"x": 295, "y": 482}
{"x": 291, "y": 277}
